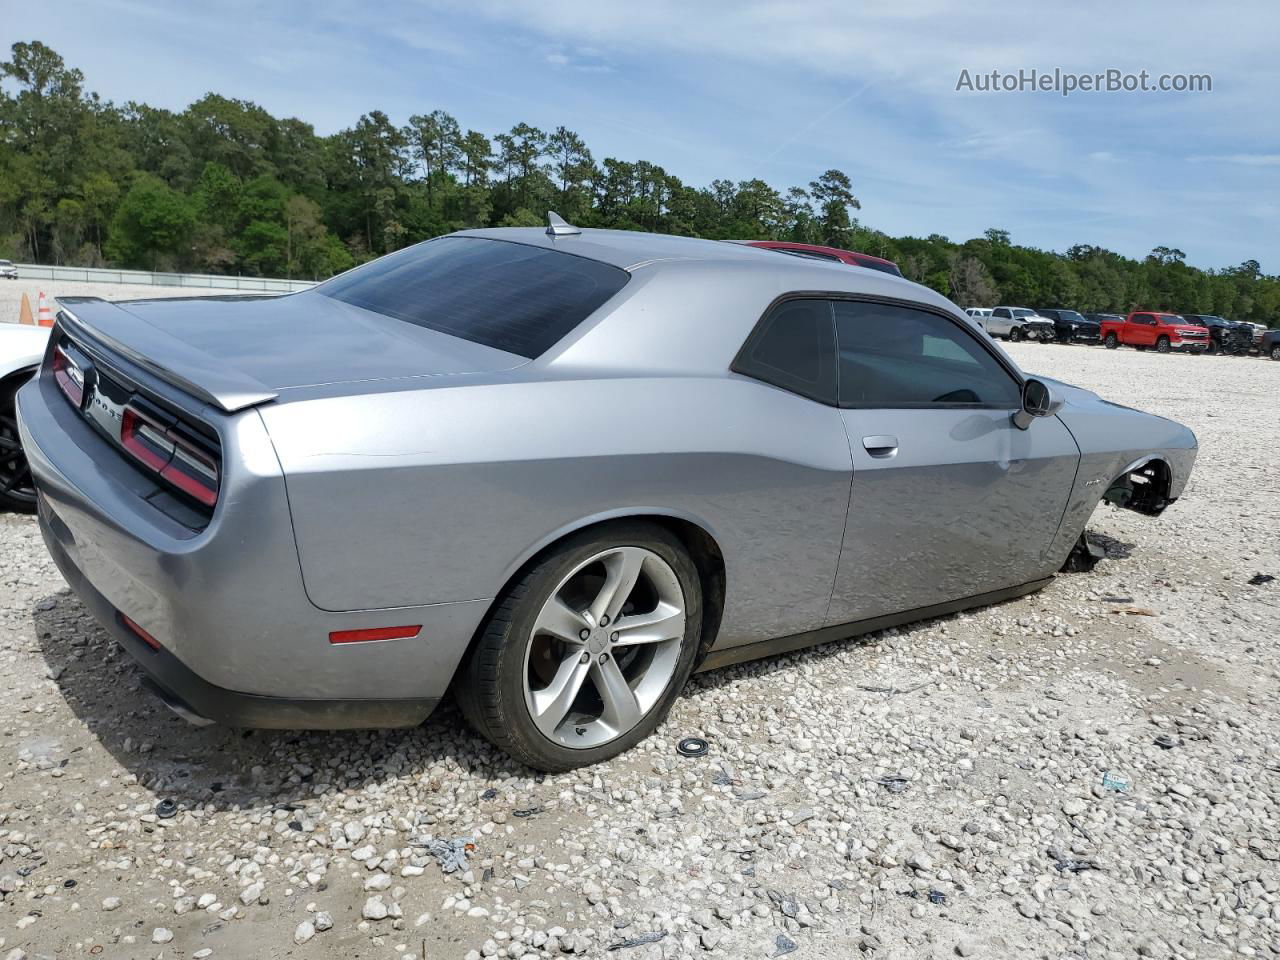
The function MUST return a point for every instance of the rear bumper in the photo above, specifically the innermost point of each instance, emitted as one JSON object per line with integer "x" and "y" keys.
{"x": 191, "y": 696}
{"x": 241, "y": 642}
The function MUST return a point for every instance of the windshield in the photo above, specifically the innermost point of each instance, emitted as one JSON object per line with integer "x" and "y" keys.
{"x": 1070, "y": 316}
{"x": 509, "y": 296}
{"x": 1023, "y": 312}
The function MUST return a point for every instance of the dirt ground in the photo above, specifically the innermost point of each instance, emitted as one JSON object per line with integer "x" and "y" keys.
{"x": 1089, "y": 771}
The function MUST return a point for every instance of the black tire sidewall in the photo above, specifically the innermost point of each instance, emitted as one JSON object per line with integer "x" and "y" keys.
{"x": 519, "y": 735}
{"x": 8, "y": 502}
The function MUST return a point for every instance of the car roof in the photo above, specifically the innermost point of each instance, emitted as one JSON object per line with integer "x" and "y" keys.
{"x": 628, "y": 249}
{"x": 635, "y": 251}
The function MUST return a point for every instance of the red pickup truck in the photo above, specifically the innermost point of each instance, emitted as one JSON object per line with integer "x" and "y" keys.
{"x": 1161, "y": 331}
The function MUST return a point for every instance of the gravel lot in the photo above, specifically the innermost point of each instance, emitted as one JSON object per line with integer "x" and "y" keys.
{"x": 11, "y": 292}
{"x": 925, "y": 792}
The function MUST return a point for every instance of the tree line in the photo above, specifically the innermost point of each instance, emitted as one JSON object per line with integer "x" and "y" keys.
{"x": 225, "y": 187}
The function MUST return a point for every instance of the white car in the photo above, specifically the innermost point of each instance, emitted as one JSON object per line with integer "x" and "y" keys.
{"x": 978, "y": 312}
{"x": 7, "y": 270}
{"x": 21, "y": 350}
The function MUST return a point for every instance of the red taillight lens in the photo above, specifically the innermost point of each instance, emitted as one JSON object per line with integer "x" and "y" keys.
{"x": 142, "y": 635}
{"x": 375, "y": 633}
{"x": 68, "y": 376}
{"x": 192, "y": 471}
{"x": 170, "y": 454}
{"x": 145, "y": 439}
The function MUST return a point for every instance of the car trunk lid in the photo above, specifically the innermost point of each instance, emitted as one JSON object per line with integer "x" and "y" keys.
{"x": 239, "y": 351}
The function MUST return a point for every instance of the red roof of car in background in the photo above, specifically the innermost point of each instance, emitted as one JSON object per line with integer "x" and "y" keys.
{"x": 850, "y": 257}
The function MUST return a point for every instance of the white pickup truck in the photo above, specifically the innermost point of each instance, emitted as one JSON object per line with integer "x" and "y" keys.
{"x": 1019, "y": 323}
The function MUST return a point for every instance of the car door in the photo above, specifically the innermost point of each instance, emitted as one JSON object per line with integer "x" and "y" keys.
{"x": 1142, "y": 331}
{"x": 1000, "y": 322}
{"x": 949, "y": 498}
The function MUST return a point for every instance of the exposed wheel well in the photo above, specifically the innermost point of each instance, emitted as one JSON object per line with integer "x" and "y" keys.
{"x": 1144, "y": 488}
{"x": 702, "y": 548}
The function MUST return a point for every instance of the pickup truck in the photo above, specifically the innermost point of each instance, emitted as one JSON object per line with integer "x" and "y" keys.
{"x": 1019, "y": 323}
{"x": 1161, "y": 331}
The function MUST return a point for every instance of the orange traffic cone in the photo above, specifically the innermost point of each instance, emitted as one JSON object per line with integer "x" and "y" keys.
{"x": 24, "y": 311}
{"x": 44, "y": 315}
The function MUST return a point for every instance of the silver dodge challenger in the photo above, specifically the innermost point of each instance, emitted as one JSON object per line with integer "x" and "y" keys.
{"x": 554, "y": 471}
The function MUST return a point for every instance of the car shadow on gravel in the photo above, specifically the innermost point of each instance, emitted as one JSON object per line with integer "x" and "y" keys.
{"x": 224, "y": 767}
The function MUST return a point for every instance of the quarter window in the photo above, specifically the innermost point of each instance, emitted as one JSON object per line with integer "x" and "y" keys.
{"x": 895, "y": 356}
{"x": 794, "y": 348}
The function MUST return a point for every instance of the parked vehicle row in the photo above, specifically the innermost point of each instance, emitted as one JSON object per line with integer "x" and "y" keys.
{"x": 1156, "y": 330}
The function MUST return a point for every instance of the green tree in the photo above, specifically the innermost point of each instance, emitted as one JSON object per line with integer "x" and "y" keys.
{"x": 152, "y": 225}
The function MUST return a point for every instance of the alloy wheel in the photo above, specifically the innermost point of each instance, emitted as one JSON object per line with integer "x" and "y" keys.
{"x": 15, "y": 474}
{"x": 604, "y": 647}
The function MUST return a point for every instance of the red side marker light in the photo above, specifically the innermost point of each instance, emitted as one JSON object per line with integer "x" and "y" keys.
{"x": 142, "y": 635}
{"x": 375, "y": 633}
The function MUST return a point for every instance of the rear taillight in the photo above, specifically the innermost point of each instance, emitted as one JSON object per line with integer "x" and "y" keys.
{"x": 171, "y": 454}
{"x": 68, "y": 375}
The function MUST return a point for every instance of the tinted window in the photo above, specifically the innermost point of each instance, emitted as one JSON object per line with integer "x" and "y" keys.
{"x": 794, "y": 348}
{"x": 509, "y": 296}
{"x": 893, "y": 356}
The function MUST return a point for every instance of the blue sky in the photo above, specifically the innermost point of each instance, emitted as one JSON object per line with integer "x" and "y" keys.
{"x": 780, "y": 91}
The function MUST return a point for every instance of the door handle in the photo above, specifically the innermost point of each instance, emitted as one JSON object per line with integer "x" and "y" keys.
{"x": 880, "y": 446}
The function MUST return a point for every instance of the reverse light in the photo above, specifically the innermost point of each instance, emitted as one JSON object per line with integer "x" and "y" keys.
{"x": 370, "y": 634}
{"x": 69, "y": 377}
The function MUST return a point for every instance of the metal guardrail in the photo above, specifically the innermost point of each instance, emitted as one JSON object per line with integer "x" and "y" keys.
{"x": 142, "y": 278}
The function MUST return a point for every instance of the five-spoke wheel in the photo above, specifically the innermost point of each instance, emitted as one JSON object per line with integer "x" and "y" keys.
{"x": 585, "y": 653}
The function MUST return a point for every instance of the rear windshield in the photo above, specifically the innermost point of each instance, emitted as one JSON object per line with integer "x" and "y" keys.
{"x": 509, "y": 296}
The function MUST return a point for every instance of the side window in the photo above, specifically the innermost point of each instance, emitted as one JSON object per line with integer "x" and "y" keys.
{"x": 1001, "y": 312}
{"x": 794, "y": 348}
{"x": 1145, "y": 319}
{"x": 893, "y": 356}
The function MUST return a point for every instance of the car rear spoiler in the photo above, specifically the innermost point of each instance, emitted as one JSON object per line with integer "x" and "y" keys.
{"x": 111, "y": 326}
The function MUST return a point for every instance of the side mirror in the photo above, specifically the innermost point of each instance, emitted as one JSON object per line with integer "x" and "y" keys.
{"x": 1037, "y": 401}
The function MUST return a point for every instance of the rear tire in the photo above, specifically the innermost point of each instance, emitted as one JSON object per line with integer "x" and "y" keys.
{"x": 1111, "y": 341}
{"x": 517, "y": 662}
{"x": 1275, "y": 352}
